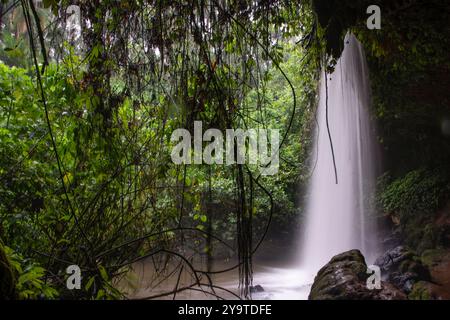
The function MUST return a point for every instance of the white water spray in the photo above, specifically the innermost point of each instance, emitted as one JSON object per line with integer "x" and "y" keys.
{"x": 337, "y": 214}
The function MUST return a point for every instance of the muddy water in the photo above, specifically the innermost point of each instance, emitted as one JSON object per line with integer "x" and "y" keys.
{"x": 278, "y": 281}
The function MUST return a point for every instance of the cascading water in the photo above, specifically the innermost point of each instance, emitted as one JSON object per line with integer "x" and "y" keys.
{"x": 336, "y": 214}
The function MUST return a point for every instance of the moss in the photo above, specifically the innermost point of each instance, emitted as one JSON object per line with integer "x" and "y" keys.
{"x": 335, "y": 279}
{"x": 404, "y": 266}
{"x": 415, "y": 198}
{"x": 420, "y": 291}
{"x": 429, "y": 238}
{"x": 432, "y": 256}
{"x": 418, "y": 193}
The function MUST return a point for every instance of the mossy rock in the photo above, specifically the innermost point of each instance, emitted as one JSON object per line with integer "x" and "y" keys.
{"x": 341, "y": 278}
{"x": 420, "y": 291}
{"x": 432, "y": 257}
{"x": 429, "y": 238}
{"x": 344, "y": 278}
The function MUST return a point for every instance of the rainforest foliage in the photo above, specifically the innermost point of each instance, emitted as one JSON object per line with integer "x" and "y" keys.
{"x": 87, "y": 111}
{"x": 86, "y": 120}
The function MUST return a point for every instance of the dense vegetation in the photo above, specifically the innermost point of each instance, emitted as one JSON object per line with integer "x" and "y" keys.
{"x": 87, "y": 117}
{"x": 87, "y": 114}
{"x": 409, "y": 68}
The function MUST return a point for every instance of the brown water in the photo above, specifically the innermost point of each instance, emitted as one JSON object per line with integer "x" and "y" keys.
{"x": 277, "y": 280}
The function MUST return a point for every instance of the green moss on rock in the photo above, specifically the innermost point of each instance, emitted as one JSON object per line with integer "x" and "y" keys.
{"x": 420, "y": 291}
{"x": 433, "y": 256}
{"x": 344, "y": 278}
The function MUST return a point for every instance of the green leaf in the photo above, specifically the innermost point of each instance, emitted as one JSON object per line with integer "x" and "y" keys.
{"x": 90, "y": 282}
{"x": 100, "y": 294}
{"x": 103, "y": 273}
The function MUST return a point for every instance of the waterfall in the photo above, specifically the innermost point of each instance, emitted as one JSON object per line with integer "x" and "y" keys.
{"x": 337, "y": 214}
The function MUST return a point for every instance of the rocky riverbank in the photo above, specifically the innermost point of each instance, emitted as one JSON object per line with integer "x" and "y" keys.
{"x": 404, "y": 275}
{"x": 345, "y": 278}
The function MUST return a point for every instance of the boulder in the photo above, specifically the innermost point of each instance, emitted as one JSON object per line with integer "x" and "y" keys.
{"x": 256, "y": 289}
{"x": 345, "y": 278}
{"x": 438, "y": 288}
{"x": 424, "y": 290}
{"x": 402, "y": 267}
{"x": 392, "y": 258}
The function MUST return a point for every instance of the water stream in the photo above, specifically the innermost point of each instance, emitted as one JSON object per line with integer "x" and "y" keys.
{"x": 337, "y": 214}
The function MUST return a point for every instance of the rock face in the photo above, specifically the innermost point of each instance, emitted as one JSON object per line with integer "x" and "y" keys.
{"x": 402, "y": 268}
{"x": 345, "y": 277}
{"x": 438, "y": 288}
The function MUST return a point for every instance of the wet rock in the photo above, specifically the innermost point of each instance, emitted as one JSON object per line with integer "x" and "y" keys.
{"x": 345, "y": 278}
{"x": 392, "y": 240}
{"x": 424, "y": 290}
{"x": 402, "y": 267}
{"x": 438, "y": 262}
{"x": 392, "y": 258}
{"x": 403, "y": 281}
{"x": 389, "y": 292}
{"x": 256, "y": 289}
